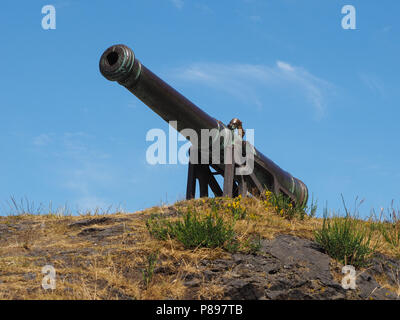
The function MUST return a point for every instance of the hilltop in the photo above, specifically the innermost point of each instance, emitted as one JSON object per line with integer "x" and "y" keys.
{"x": 255, "y": 252}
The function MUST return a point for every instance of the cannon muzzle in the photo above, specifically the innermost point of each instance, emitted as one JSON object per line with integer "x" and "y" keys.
{"x": 118, "y": 63}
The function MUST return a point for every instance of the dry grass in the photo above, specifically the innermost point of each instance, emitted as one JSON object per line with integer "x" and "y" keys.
{"x": 112, "y": 267}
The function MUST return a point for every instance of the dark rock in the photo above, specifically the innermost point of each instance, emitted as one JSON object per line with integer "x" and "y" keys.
{"x": 289, "y": 267}
{"x": 291, "y": 250}
{"x": 209, "y": 274}
{"x": 89, "y": 222}
{"x": 382, "y": 265}
{"x": 167, "y": 212}
{"x": 280, "y": 284}
{"x": 165, "y": 270}
{"x": 244, "y": 289}
{"x": 116, "y": 293}
{"x": 367, "y": 287}
{"x": 191, "y": 276}
{"x": 192, "y": 283}
{"x": 102, "y": 232}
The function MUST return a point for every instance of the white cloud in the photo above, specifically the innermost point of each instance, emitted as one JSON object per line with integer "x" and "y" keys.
{"x": 178, "y": 3}
{"x": 373, "y": 83}
{"x": 244, "y": 80}
{"x": 42, "y": 140}
{"x": 284, "y": 66}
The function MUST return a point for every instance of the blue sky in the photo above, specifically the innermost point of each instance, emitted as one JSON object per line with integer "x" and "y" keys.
{"x": 323, "y": 101}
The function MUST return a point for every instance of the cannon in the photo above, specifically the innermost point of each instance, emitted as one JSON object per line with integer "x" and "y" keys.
{"x": 118, "y": 63}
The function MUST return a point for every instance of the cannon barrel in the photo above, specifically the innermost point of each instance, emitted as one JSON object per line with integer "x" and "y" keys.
{"x": 118, "y": 63}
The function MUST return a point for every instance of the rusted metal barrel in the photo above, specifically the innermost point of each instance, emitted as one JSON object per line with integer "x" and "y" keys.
{"x": 118, "y": 63}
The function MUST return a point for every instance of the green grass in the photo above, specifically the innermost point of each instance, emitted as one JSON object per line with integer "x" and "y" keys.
{"x": 391, "y": 233}
{"x": 148, "y": 272}
{"x": 195, "y": 230}
{"x": 390, "y": 227}
{"x": 288, "y": 209}
{"x": 346, "y": 239}
{"x": 252, "y": 245}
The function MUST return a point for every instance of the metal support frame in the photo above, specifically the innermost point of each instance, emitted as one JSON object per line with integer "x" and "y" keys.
{"x": 233, "y": 184}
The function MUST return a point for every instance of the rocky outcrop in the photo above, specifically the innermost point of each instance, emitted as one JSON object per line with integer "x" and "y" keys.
{"x": 289, "y": 267}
